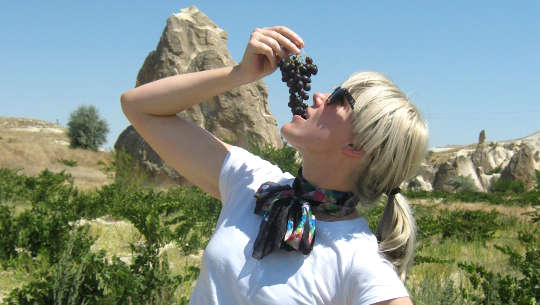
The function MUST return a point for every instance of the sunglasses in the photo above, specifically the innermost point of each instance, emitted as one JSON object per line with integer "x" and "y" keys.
{"x": 339, "y": 95}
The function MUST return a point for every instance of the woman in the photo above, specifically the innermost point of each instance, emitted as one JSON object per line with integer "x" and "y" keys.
{"x": 356, "y": 145}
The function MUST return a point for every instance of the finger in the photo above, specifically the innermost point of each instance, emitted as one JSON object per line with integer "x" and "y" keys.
{"x": 271, "y": 42}
{"x": 283, "y": 42}
{"x": 265, "y": 50}
{"x": 291, "y": 35}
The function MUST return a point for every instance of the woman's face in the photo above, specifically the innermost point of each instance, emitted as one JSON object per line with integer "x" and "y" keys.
{"x": 328, "y": 127}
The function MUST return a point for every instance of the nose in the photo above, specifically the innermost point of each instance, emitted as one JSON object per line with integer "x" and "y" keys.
{"x": 319, "y": 99}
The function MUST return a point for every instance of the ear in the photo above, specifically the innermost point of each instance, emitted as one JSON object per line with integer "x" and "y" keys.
{"x": 352, "y": 152}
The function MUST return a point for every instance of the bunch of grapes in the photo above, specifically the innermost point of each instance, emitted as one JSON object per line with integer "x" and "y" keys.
{"x": 296, "y": 72}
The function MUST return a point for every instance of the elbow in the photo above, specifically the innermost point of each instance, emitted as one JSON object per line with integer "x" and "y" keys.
{"x": 125, "y": 102}
{"x": 124, "y": 99}
{"x": 127, "y": 107}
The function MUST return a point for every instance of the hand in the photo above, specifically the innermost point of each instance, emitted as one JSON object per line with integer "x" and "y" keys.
{"x": 265, "y": 48}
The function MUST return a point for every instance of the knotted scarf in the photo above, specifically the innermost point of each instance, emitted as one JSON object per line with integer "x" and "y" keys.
{"x": 288, "y": 222}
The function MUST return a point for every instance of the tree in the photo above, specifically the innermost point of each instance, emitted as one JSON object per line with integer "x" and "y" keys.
{"x": 86, "y": 129}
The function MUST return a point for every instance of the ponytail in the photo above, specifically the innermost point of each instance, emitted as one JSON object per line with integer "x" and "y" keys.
{"x": 393, "y": 137}
{"x": 396, "y": 233}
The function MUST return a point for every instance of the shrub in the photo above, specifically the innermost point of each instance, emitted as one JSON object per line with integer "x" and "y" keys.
{"x": 84, "y": 277}
{"x": 504, "y": 289}
{"x": 504, "y": 185}
{"x": 430, "y": 292}
{"x": 86, "y": 129}
{"x": 124, "y": 170}
{"x": 8, "y": 235}
{"x": 284, "y": 157}
{"x": 70, "y": 163}
{"x": 463, "y": 184}
{"x": 469, "y": 225}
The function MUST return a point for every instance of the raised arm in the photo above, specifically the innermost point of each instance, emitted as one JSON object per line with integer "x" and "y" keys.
{"x": 194, "y": 152}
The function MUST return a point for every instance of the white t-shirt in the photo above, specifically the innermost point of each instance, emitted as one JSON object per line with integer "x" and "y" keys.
{"x": 344, "y": 266}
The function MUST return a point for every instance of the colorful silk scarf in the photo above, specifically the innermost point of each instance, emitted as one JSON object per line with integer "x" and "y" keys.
{"x": 288, "y": 222}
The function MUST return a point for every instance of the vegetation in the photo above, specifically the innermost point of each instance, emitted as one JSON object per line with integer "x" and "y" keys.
{"x": 70, "y": 163}
{"x": 86, "y": 129}
{"x": 463, "y": 184}
{"x": 503, "y": 192}
{"x": 49, "y": 251}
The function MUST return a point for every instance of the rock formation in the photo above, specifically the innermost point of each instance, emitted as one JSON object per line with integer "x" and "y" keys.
{"x": 191, "y": 42}
{"x": 483, "y": 162}
{"x": 482, "y": 137}
{"x": 521, "y": 167}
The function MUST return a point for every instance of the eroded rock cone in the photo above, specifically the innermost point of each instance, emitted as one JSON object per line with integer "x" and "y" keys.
{"x": 191, "y": 42}
{"x": 521, "y": 167}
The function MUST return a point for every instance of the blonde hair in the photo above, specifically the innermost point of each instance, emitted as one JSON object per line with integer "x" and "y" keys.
{"x": 393, "y": 136}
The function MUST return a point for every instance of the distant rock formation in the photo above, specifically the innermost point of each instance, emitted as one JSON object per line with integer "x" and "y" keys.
{"x": 191, "y": 42}
{"x": 482, "y": 137}
{"x": 483, "y": 162}
{"x": 521, "y": 167}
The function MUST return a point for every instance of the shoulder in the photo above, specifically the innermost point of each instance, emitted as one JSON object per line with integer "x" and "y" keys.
{"x": 242, "y": 170}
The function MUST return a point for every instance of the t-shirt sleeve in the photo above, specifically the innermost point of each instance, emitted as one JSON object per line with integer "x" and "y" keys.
{"x": 373, "y": 282}
{"x": 243, "y": 172}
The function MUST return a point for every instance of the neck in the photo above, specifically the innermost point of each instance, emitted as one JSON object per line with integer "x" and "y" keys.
{"x": 331, "y": 174}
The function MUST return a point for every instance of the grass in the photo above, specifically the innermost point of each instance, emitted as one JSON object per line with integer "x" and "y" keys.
{"x": 428, "y": 282}
{"x": 34, "y": 151}
{"x": 434, "y": 279}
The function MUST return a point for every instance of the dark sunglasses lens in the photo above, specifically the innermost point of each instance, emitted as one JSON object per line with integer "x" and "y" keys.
{"x": 336, "y": 97}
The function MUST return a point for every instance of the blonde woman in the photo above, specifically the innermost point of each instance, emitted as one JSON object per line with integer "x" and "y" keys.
{"x": 286, "y": 240}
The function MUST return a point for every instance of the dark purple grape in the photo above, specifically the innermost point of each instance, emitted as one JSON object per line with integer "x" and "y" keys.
{"x": 298, "y": 110}
{"x": 296, "y": 71}
{"x": 291, "y": 83}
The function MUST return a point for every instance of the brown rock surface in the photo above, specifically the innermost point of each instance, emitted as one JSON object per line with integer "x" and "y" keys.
{"x": 521, "y": 167}
{"x": 191, "y": 42}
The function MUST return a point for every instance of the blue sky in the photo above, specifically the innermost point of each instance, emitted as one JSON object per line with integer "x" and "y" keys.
{"x": 467, "y": 65}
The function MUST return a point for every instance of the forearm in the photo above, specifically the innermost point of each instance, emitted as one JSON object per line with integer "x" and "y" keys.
{"x": 174, "y": 94}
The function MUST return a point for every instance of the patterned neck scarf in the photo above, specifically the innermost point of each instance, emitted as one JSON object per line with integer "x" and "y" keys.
{"x": 288, "y": 222}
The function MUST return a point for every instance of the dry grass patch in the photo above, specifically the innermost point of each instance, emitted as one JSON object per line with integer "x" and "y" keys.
{"x": 33, "y": 146}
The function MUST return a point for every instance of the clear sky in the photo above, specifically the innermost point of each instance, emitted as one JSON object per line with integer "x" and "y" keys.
{"x": 468, "y": 65}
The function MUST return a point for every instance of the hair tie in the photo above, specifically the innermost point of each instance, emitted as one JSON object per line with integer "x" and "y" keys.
{"x": 394, "y": 191}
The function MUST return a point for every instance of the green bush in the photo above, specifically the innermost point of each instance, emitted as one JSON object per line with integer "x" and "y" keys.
{"x": 504, "y": 185}
{"x": 459, "y": 224}
{"x": 463, "y": 184}
{"x": 125, "y": 171}
{"x": 284, "y": 157}
{"x": 430, "y": 292}
{"x": 86, "y": 129}
{"x": 469, "y": 225}
{"x": 186, "y": 216}
{"x": 70, "y": 163}
{"x": 12, "y": 185}
{"x": 84, "y": 277}
{"x": 8, "y": 235}
{"x": 505, "y": 289}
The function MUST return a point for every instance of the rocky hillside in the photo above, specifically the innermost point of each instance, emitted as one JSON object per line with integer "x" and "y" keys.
{"x": 33, "y": 145}
{"x": 483, "y": 162}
